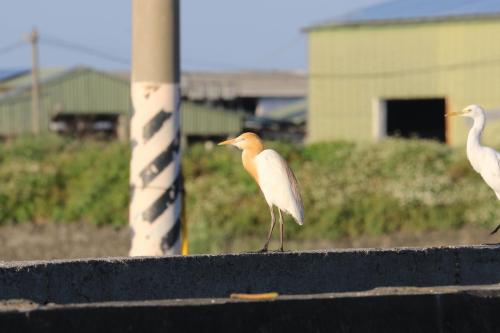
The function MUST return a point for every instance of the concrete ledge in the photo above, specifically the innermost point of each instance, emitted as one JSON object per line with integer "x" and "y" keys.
{"x": 208, "y": 276}
{"x": 437, "y": 310}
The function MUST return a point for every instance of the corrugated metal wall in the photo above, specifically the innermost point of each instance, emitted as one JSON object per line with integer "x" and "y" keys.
{"x": 84, "y": 91}
{"x": 15, "y": 116}
{"x": 351, "y": 67}
{"x": 87, "y": 91}
{"x": 200, "y": 120}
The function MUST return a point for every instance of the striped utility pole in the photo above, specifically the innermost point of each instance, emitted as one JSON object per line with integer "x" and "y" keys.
{"x": 155, "y": 168}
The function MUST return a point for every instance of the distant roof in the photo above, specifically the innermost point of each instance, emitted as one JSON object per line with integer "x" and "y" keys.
{"x": 295, "y": 113}
{"x": 291, "y": 114}
{"x": 6, "y": 74}
{"x": 23, "y": 78}
{"x": 229, "y": 85}
{"x": 415, "y": 11}
{"x": 20, "y": 84}
{"x": 194, "y": 85}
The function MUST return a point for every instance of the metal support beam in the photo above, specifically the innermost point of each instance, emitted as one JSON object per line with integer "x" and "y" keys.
{"x": 35, "y": 82}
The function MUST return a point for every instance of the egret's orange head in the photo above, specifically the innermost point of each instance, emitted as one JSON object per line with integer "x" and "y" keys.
{"x": 248, "y": 140}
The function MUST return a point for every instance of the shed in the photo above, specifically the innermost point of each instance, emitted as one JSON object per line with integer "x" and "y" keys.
{"x": 86, "y": 99}
{"x": 397, "y": 67}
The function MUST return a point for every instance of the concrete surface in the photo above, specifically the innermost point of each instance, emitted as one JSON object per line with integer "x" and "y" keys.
{"x": 209, "y": 276}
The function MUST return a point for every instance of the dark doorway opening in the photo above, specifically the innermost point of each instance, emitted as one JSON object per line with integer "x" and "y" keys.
{"x": 421, "y": 118}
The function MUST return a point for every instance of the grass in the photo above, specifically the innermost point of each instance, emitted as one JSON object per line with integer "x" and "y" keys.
{"x": 348, "y": 189}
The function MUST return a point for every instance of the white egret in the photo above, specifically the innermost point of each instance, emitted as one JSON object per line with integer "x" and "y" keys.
{"x": 274, "y": 177}
{"x": 484, "y": 160}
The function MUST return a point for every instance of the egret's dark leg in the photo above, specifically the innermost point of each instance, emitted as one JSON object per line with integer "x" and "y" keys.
{"x": 281, "y": 231}
{"x": 273, "y": 222}
{"x": 495, "y": 230}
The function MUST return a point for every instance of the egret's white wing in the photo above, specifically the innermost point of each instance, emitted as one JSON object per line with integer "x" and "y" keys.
{"x": 496, "y": 184}
{"x": 278, "y": 183}
{"x": 489, "y": 161}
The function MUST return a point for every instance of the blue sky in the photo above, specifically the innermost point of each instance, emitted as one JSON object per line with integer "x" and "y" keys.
{"x": 215, "y": 34}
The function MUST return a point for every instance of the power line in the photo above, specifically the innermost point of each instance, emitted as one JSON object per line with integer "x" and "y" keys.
{"x": 8, "y": 48}
{"x": 265, "y": 59}
{"x": 75, "y": 47}
{"x": 275, "y": 53}
{"x": 409, "y": 71}
{"x": 212, "y": 63}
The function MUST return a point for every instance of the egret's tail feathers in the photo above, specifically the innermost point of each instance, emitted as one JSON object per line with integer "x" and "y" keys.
{"x": 298, "y": 217}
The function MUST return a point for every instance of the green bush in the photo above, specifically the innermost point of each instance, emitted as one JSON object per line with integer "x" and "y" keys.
{"x": 348, "y": 189}
{"x": 55, "y": 179}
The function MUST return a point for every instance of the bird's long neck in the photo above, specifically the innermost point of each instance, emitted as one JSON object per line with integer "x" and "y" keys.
{"x": 248, "y": 158}
{"x": 474, "y": 142}
{"x": 474, "y": 137}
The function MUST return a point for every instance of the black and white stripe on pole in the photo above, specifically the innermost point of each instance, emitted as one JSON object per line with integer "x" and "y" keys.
{"x": 155, "y": 168}
{"x": 155, "y": 173}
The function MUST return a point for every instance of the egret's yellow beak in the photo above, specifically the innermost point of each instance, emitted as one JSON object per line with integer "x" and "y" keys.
{"x": 227, "y": 142}
{"x": 456, "y": 113}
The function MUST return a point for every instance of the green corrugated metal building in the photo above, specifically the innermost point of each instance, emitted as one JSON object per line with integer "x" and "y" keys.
{"x": 396, "y": 68}
{"x": 83, "y": 91}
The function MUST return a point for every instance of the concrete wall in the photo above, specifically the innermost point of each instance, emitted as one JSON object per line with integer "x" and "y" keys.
{"x": 351, "y": 67}
{"x": 411, "y": 290}
{"x": 394, "y": 290}
{"x": 99, "y": 280}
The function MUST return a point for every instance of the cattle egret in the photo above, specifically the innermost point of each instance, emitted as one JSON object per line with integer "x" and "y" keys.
{"x": 275, "y": 179}
{"x": 484, "y": 160}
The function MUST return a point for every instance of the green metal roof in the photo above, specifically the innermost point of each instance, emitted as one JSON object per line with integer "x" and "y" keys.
{"x": 24, "y": 80}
